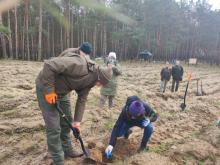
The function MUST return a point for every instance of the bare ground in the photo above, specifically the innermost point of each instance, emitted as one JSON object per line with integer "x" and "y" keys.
{"x": 180, "y": 137}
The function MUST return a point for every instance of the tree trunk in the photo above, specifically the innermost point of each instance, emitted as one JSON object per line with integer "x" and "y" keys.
{"x": 101, "y": 41}
{"x": 40, "y": 32}
{"x": 2, "y": 36}
{"x": 23, "y": 42}
{"x": 71, "y": 30}
{"x": 27, "y": 28}
{"x": 61, "y": 38}
{"x": 9, "y": 37}
{"x": 16, "y": 33}
{"x": 94, "y": 41}
{"x": 53, "y": 52}
{"x": 33, "y": 50}
{"x": 104, "y": 40}
{"x": 48, "y": 38}
{"x": 32, "y": 47}
{"x": 67, "y": 28}
{"x": 78, "y": 32}
{"x": 83, "y": 29}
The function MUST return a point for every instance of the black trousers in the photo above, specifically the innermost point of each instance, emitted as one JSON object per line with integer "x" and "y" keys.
{"x": 175, "y": 82}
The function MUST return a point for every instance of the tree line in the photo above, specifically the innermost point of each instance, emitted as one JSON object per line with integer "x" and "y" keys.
{"x": 169, "y": 29}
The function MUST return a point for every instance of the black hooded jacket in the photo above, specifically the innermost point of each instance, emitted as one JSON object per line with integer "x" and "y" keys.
{"x": 177, "y": 72}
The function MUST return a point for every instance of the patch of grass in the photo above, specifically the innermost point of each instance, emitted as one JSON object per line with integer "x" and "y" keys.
{"x": 216, "y": 104}
{"x": 22, "y": 130}
{"x": 10, "y": 113}
{"x": 186, "y": 110}
{"x": 195, "y": 134}
{"x": 33, "y": 104}
{"x": 166, "y": 114}
{"x": 8, "y": 106}
{"x": 9, "y": 96}
{"x": 92, "y": 102}
{"x": 5, "y": 61}
{"x": 119, "y": 101}
{"x": 109, "y": 125}
{"x": 212, "y": 158}
{"x": 190, "y": 158}
{"x": 100, "y": 62}
{"x": 161, "y": 148}
{"x": 139, "y": 91}
{"x": 5, "y": 155}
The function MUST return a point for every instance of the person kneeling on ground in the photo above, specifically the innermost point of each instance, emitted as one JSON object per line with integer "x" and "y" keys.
{"x": 135, "y": 113}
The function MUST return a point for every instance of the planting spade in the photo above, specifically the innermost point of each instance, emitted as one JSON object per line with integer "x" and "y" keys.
{"x": 183, "y": 105}
{"x": 92, "y": 155}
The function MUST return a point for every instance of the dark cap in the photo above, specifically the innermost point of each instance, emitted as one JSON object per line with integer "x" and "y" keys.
{"x": 86, "y": 47}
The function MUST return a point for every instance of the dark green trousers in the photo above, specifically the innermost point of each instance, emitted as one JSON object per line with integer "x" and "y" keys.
{"x": 57, "y": 130}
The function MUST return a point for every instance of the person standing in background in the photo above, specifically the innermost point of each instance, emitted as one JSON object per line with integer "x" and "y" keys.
{"x": 177, "y": 74}
{"x": 165, "y": 77}
{"x": 109, "y": 90}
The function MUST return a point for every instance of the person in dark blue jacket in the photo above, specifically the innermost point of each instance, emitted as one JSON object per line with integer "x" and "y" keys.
{"x": 135, "y": 113}
{"x": 177, "y": 74}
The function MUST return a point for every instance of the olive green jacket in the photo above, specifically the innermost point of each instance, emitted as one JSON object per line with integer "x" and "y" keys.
{"x": 67, "y": 73}
{"x": 110, "y": 89}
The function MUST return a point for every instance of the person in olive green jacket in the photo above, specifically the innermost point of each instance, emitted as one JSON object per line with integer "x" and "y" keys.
{"x": 109, "y": 90}
{"x": 59, "y": 76}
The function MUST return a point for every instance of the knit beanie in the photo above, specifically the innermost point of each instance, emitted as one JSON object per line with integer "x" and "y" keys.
{"x": 104, "y": 75}
{"x": 136, "y": 108}
{"x": 86, "y": 47}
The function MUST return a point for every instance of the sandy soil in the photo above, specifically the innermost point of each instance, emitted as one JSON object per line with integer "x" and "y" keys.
{"x": 180, "y": 137}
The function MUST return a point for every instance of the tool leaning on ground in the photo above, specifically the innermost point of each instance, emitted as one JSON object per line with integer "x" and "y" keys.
{"x": 74, "y": 130}
{"x": 189, "y": 77}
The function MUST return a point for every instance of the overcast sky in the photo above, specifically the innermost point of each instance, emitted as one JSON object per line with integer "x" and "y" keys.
{"x": 215, "y": 4}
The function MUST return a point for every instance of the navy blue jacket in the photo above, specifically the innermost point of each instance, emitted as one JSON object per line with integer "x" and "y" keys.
{"x": 177, "y": 72}
{"x": 124, "y": 118}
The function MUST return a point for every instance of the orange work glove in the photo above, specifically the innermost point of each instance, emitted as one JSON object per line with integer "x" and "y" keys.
{"x": 77, "y": 126}
{"x": 51, "y": 98}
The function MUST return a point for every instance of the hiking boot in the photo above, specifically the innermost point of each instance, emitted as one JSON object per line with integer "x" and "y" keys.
{"x": 72, "y": 154}
{"x": 142, "y": 149}
{"x": 127, "y": 134}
